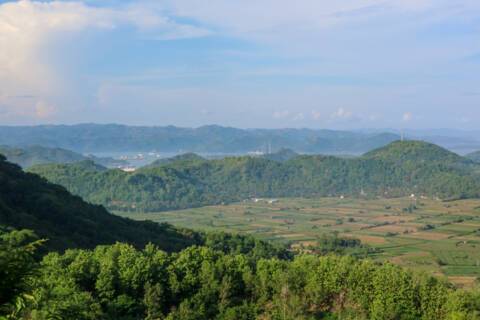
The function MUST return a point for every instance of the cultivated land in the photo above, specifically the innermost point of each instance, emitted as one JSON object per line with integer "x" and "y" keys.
{"x": 442, "y": 238}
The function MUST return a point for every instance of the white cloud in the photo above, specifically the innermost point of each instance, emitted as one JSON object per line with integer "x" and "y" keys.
{"x": 342, "y": 113}
{"x": 282, "y": 114}
{"x": 299, "y": 116}
{"x": 44, "y": 110}
{"x": 278, "y": 19}
{"x": 33, "y": 33}
{"x": 407, "y": 116}
{"x": 316, "y": 115}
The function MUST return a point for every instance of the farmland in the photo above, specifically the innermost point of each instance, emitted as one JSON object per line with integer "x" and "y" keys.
{"x": 441, "y": 238}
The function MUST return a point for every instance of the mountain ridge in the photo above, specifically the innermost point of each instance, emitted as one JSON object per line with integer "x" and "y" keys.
{"x": 205, "y": 139}
{"x": 35, "y": 155}
{"x": 424, "y": 169}
{"x": 28, "y": 201}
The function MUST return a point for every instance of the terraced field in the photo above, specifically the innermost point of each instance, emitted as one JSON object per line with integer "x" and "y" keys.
{"x": 439, "y": 237}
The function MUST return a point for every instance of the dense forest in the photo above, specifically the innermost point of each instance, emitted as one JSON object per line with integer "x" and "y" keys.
{"x": 29, "y": 202}
{"x": 474, "y": 156}
{"x": 35, "y": 155}
{"x": 399, "y": 169}
{"x": 206, "y": 139}
{"x": 198, "y": 283}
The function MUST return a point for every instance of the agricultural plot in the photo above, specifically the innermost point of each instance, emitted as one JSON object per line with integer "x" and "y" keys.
{"x": 438, "y": 237}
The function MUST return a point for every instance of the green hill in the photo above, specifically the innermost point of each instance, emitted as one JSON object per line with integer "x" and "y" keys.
{"x": 29, "y": 202}
{"x": 399, "y": 169}
{"x": 35, "y": 155}
{"x": 414, "y": 151}
{"x": 178, "y": 159}
{"x": 474, "y": 156}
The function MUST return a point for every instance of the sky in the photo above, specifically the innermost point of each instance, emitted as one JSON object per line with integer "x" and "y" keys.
{"x": 252, "y": 63}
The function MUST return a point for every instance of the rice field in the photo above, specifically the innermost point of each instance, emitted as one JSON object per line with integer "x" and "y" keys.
{"x": 442, "y": 238}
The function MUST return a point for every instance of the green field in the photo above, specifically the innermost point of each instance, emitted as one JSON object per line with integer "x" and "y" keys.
{"x": 442, "y": 238}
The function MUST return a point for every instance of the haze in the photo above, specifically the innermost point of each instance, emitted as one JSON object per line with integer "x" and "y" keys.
{"x": 271, "y": 63}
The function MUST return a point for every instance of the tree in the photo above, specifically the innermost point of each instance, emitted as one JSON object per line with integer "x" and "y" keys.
{"x": 17, "y": 267}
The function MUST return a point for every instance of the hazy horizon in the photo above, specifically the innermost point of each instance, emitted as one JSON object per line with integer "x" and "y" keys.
{"x": 316, "y": 64}
{"x": 427, "y": 130}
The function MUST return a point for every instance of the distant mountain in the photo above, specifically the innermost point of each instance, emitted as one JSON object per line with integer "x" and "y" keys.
{"x": 34, "y": 155}
{"x": 178, "y": 159}
{"x": 206, "y": 139}
{"x": 399, "y": 169}
{"x": 29, "y": 202}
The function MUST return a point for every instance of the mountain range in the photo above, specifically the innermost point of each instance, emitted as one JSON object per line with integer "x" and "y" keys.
{"x": 90, "y": 138}
{"x": 398, "y": 169}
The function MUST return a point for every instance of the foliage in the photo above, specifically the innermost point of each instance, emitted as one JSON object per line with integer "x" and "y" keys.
{"x": 178, "y": 160}
{"x": 17, "y": 267}
{"x": 66, "y": 221}
{"x": 120, "y": 282}
{"x": 474, "y": 156}
{"x": 29, "y": 202}
{"x": 399, "y": 169}
{"x": 36, "y": 155}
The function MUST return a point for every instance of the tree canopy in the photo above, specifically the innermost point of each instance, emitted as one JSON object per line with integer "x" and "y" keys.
{"x": 400, "y": 169}
{"x": 121, "y": 282}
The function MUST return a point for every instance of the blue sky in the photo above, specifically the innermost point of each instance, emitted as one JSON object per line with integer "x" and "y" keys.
{"x": 252, "y": 63}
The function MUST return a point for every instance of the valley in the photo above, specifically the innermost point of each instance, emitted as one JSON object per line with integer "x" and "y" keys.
{"x": 441, "y": 238}
{"x": 239, "y": 160}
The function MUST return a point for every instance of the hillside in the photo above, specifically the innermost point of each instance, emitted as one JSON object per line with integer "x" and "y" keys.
{"x": 207, "y": 139}
{"x": 178, "y": 159}
{"x": 35, "y": 155}
{"x": 400, "y": 169}
{"x": 414, "y": 151}
{"x": 474, "y": 156}
{"x": 29, "y": 202}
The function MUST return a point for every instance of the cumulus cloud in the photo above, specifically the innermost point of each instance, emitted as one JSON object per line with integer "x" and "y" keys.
{"x": 407, "y": 117}
{"x": 334, "y": 46}
{"x": 32, "y": 34}
{"x": 342, "y": 113}
{"x": 44, "y": 110}
{"x": 316, "y": 115}
{"x": 299, "y": 116}
{"x": 281, "y": 114}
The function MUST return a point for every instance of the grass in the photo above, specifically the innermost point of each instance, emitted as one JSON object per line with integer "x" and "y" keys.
{"x": 438, "y": 237}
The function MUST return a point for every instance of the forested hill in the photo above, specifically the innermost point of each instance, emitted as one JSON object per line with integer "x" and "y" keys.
{"x": 178, "y": 159}
{"x": 474, "y": 156}
{"x": 29, "y": 202}
{"x": 34, "y": 155}
{"x": 402, "y": 168}
{"x": 415, "y": 151}
{"x": 206, "y": 139}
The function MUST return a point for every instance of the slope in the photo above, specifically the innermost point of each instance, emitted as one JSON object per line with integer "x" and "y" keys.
{"x": 400, "y": 169}
{"x": 29, "y": 202}
{"x": 35, "y": 155}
